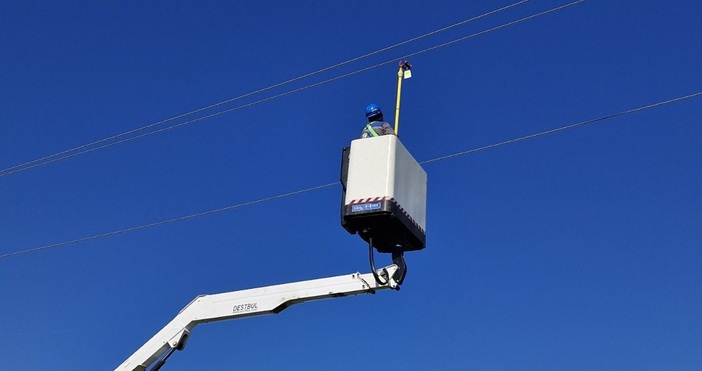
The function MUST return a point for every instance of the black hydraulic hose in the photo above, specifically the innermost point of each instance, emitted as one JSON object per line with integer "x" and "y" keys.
{"x": 372, "y": 263}
{"x": 399, "y": 260}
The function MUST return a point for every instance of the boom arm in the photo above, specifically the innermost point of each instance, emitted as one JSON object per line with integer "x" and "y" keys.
{"x": 251, "y": 302}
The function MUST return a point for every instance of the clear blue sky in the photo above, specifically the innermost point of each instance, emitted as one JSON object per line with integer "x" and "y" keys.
{"x": 579, "y": 250}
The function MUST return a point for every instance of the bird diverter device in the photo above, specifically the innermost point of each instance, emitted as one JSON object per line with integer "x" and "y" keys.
{"x": 384, "y": 195}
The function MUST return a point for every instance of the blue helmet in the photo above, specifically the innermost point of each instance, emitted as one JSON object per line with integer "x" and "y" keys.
{"x": 373, "y": 110}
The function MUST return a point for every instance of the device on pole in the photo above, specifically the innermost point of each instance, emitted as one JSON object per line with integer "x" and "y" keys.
{"x": 404, "y": 72}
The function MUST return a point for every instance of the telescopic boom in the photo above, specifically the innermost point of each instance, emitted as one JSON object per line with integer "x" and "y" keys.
{"x": 247, "y": 303}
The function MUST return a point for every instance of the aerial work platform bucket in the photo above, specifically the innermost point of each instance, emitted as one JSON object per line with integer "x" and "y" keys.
{"x": 384, "y": 194}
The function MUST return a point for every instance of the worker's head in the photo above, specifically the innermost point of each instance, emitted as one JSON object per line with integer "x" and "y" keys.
{"x": 373, "y": 113}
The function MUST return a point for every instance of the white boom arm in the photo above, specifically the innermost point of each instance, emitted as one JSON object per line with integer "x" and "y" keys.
{"x": 251, "y": 302}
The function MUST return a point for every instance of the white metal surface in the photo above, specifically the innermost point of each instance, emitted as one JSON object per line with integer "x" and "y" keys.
{"x": 381, "y": 167}
{"x": 251, "y": 302}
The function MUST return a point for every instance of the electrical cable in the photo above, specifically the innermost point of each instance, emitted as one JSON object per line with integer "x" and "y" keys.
{"x": 103, "y": 143}
{"x": 167, "y": 221}
{"x": 563, "y": 128}
{"x": 504, "y": 25}
{"x": 320, "y": 187}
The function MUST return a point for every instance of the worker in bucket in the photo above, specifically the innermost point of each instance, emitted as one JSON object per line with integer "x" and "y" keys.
{"x": 376, "y": 125}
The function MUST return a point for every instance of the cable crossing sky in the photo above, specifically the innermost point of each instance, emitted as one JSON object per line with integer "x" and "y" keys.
{"x": 133, "y": 134}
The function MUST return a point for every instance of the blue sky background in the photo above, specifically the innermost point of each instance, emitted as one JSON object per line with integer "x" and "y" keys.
{"x": 578, "y": 250}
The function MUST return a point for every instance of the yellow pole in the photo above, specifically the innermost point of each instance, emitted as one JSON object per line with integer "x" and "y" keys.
{"x": 397, "y": 104}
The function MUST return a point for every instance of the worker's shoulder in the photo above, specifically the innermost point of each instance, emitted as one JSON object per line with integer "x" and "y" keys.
{"x": 379, "y": 123}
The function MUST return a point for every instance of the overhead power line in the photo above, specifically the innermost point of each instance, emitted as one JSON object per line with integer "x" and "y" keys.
{"x": 167, "y": 221}
{"x": 133, "y": 134}
{"x": 563, "y": 128}
{"x": 324, "y": 186}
